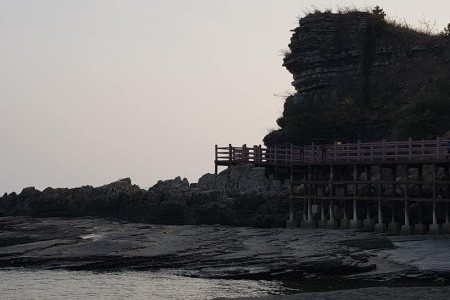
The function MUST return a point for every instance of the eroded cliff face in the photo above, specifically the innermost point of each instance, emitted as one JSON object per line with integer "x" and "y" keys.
{"x": 354, "y": 73}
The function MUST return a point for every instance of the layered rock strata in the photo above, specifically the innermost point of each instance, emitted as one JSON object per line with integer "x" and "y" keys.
{"x": 354, "y": 72}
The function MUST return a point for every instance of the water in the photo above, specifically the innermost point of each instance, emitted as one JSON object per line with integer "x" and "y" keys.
{"x": 59, "y": 284}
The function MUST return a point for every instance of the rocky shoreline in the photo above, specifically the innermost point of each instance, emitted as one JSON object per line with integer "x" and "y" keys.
{"x": 305, "y": 260}
{"x": 195, "y": 251}
{"x": 241, "y": 196}
{"x": 387, "y": 293}
{"x": 210, "y": 230}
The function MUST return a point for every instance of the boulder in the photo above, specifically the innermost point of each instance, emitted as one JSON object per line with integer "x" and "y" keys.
{"x": 176, "y": 184}
{"x": 243, "y": 179}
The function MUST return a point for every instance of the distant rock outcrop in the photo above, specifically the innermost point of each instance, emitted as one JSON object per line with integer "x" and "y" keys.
{"x": 240, "y": 196}
{"x": 358, "y": 76}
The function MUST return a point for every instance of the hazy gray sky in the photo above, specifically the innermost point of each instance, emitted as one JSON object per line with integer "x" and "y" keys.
{"x": 95, "y": 90}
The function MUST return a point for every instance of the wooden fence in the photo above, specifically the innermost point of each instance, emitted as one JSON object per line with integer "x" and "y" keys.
{"x": 414, "y": 151}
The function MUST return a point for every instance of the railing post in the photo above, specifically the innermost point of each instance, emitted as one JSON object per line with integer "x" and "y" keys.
{"x": 359, "y": 150}
{"x": 244, "y": 153}
{"x": 409, "y": 148}
{"x": 215, "y": 161}
{"x": 260, "y": 153}
{"x": 275, "y": 155}
{"x": 383, "y": 149}
{"x": 230, "y": 153}
{"x": 303, "y": 154}
{"x": 292, "y": 155}
{"x": 421, "y": 149}
{"x": 335, "y": 150}
{"x": 255, "y": 154}
{"x": 313, "y": 152}
{"x": 438, "y": 139}
{"x": 285, "y": 155}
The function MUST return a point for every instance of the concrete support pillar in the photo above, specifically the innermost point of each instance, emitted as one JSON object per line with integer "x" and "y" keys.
{"x": 380, "y": 212}
{"x": 393, "y": 226}
{"x": 368, "y": 223}
{"x": 305, "y": 216}
{"x": 446, "y": 225}
{"x": 344, "y": 222}
{"x": 291, "y": 223}
{"x": 420, "y": 228}
{"x": 407, "y": 228}
{"x": 406, "y": 213}
{"x": 434, "y": 213}
{"x": 435, "y": 228}
{"x": 331, "y": 211}
{"x": 323, "y": 221}
{"x": 332, "y": 223}
{"x": 309, "y": 210}
{"x": 380, "y": 226}
{"x": 309, "y": 222}
{"x": 354, "y": 222}
{"x": 291, "y": 210}
{"x": 447, "y": 219}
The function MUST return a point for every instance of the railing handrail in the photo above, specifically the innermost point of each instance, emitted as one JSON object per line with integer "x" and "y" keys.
{"x": 410, "y": 150}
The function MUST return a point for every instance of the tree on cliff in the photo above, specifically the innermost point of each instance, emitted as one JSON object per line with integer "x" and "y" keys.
{"x": 427, "y": 117}
{"x": 446, "y": 31}
{"x": 379, "y": 12}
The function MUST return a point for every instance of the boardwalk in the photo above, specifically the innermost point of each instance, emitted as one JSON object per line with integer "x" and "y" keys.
{"x": 325, "y": 178}
{"x": 379, "y": 152}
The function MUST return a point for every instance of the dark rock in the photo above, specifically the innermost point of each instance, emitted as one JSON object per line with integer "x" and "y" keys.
{"x": 354, "y": 72}
{"x": 197, "y": 251}
{"x": 167, "y": 186}
{"x": 241, "y": 196}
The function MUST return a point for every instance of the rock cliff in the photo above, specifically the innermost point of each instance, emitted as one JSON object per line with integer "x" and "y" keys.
{"x": 358, "y": 76}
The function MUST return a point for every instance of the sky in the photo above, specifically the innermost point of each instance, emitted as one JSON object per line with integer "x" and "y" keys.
{"x": 92, "y": 91}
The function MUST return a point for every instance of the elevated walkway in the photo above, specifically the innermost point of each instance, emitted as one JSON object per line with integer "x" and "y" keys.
{"x": 338, "y": 184}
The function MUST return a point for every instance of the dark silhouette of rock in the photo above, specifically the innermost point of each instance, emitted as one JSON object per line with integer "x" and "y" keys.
{"x": 240, "y": 197}
{"x": 358, "y": 76}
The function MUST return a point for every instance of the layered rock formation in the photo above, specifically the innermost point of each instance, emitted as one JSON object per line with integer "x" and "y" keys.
{"x": 357, "y": 75}
{"x": 242, "y": 196}
{"x": 197, "y": 251}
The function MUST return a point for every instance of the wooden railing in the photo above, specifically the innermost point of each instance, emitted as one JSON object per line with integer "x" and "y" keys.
{"x": 423, "y": 150}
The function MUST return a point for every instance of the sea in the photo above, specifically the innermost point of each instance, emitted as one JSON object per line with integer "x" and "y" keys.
{"x": 24, "y": 284}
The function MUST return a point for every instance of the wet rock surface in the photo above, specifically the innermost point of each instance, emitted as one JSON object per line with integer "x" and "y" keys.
{"x": 429, "y": 293}
{"x": 197, "y": 251}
